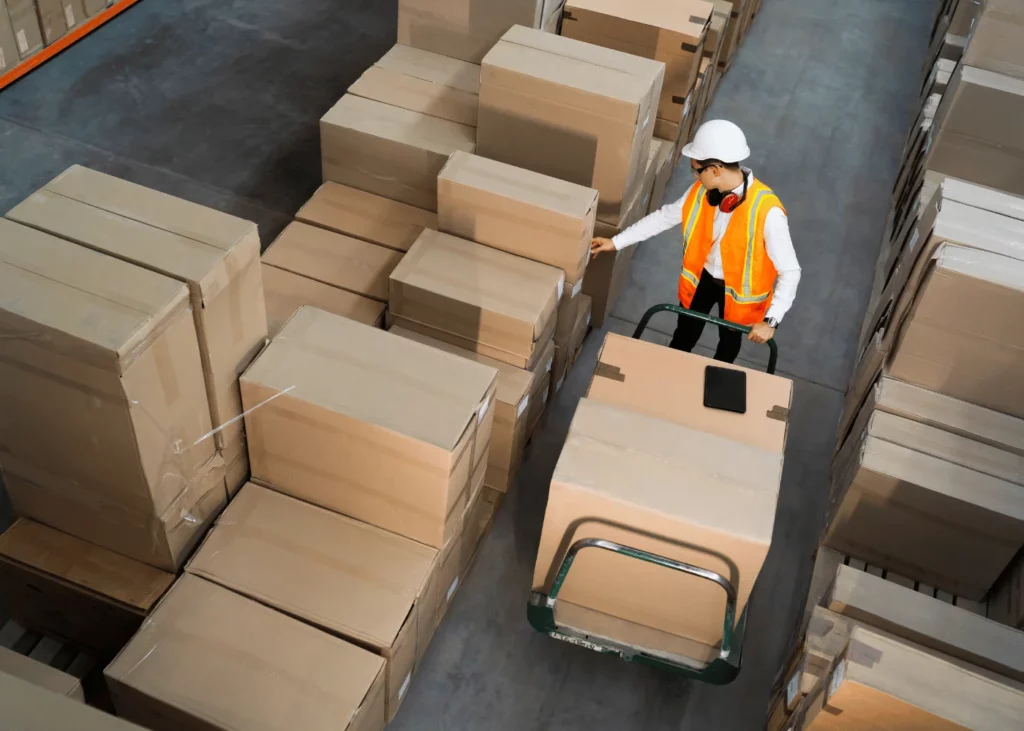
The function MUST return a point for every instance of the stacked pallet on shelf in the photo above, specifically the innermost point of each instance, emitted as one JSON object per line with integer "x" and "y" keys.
{"x": 925, "y": 519}
{"x": 206, "y": 509}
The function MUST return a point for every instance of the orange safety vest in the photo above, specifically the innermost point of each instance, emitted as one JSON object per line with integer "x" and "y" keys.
{"x": 748, "y": 270}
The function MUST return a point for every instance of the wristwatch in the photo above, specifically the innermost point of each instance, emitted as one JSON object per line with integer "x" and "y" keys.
{"x": 772, "y": 322}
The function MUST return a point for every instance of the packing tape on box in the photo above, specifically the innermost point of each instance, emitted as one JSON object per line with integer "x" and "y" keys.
{"x": 778, "y": 413}
{"x": 241, "y": 416}
{"x": 614, "y": 373}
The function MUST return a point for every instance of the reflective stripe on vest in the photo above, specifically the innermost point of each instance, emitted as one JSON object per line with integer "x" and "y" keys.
{"x": 748, "y": 271}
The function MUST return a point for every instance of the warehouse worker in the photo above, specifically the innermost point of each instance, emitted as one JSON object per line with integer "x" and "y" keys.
{"x": 737, "y": 251}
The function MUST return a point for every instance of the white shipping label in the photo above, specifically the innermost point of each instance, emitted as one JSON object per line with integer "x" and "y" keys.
{"x": 452, "y": 588}
{"x": 22, "y": 41}
{"x": 551, "y": 362}
{"x": 405, "y": 685}
{"x": 522, "y": 406}
{"x": 558, "y": 386}
{"x": 3, "y": 61}
{"x": 588, "y": 320}
{"x": 793, "y": 689}
{"x": 69, "y": 16}
{"x": 577, "y": 288}
{"x": 544, "y": 397}
{"x": 561, "y": 286}
{"x": 913, "y": 240}
{"x": 483, "y": 411}
{"x": 837, "y": 679}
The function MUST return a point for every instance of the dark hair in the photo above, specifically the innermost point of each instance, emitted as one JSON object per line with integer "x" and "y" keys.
{"x": 735, "y": 166}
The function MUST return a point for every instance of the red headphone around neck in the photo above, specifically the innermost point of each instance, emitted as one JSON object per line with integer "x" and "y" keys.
{"x": 727, "y": 202}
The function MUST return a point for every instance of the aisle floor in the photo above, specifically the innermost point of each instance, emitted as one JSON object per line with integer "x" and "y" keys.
{"x": 218, "y": 102}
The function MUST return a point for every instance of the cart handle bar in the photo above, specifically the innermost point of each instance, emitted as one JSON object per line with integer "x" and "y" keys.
{"x": 773, "y": 355}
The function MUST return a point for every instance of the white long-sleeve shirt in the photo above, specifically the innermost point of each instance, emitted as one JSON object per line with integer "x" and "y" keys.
{"x": 777, "y": 242}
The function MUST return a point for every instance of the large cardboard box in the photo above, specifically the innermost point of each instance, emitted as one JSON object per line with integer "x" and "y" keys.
{"x": 927, "y": 621}
{"x": 102, "y": 365}
{"x": 975, "y": 137}
{"x": 28, "y": 36}
{"x": 286, "y": 292}
{"x": 357, "y": 582}
{"x": 664, "y": 164}
{"x": 465, "y": 29}
{"x": 40, "y": 674}
{"x": 27, "y": 707}
{"x": 209, "y": 658}
{"x": 970, "y": 354}
{"x": 670, "y": 31}
{"x": 161, "y": 540}
{"x": 885, "y": 682}
{"x": 516, "y": 391}
{"x": 389, "y": 151}
{"x": 52, "y": 20}
{"x": 632, "y": 374}
{"x": 216, "y": 255}
{"x": 425, "y": 82}
{"x": 995, "y": 38}
{"x": 567, "y": 352}
{"x": 568, "y": 309}
{"x": 368, "y": 424}
{"x": 477, "y": 297}
{"x": 519, "y": 211}
{"x": 570, "y": 110}
{"x": 63, "y": 587}
{"x": 703, "y": 499}
{"x": 924, "y": 516}
{"x": 335, "y": 259}
{"x": 9, "y": 55}
{"x": 366, "y": 216}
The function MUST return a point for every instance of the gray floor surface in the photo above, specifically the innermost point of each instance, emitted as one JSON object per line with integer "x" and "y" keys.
{"x": 218, "y": 101}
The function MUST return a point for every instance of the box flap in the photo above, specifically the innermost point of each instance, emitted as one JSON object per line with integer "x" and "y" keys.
{"x": 401, "y": 125}
{"x": 335, "y": 259}
{"x": 433, "y": 67}
{"x": 152, "y": 207}
{"x": 334, "y": 572}
{"x": 418, "y": 95}
{"x": 77, "y": 301}
{"x": 366, "y": 216}
{"x": 483, "y": 278}
{"x": 286, "y": 292}
{"x": 83, "y": 564}
{"x": 238, "y": 665}
{"x": 374, "y": 376}
{"x": 514, "y": 384}
{"x": 688, "y": 18}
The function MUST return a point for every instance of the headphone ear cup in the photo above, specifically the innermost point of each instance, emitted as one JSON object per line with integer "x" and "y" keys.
{"x": 714, "y": 197}
{"x": 729, "y": 202}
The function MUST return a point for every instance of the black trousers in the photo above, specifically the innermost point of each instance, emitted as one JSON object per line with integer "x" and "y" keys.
{"x": 710, "y": 291}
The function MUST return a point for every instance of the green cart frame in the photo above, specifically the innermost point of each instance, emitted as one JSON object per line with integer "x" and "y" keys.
{"x": 722, "y": 670}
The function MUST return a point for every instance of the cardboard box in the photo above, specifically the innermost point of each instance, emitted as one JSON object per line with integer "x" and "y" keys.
{"x": 389, "y": 151}
{"x": 355, "y": 581}
{"x": 74, "y": 13}
{"x": 9, "y": 55}
{"x": 424, "y": 82}
{"x": 465, "y": 29}
{"x": 28, "y": 707}
{"x": 974, "y": 137}
{"x": 570, "y": 110}
{"x": 538, "y": 403}
{"x": 631, "y": 374}
{"x": 51, "y": 20}
{"x": 477, "y": 297}
{"x": 515, "y": 392}
{"x": 927, "y": 621}
{"x": 519, "y": 211}
{"x": 102, "y": 364}
{"x": 565, "y": 354}
{"x": 669, "y": 31}
{"x": 63, "y": 587}
{"x": 881, "y": 678}
{"x": 366, "y": 216}
{"x": 925, "y": 517}
{"x": 716, "y": 494}
{"x": 163, "y": 541}
{"x": 209, "y": 658}
{"x": 948, "y": 349}
{"x": 568, "y": 309}
{"x": 718, "y": 29}
{"x": 733, "y": 35}
{"x": 367, "y": 424}
{"x": 286, "y": 293}
{"x": 995, "y": 37}
{"x": 334, "y": 259}
{"x": 214, "y": 254}
{"x": 664, "y": 164}
{"x": 40, "y": 674}
{"x": 28, "y": 36}
{"x": 92, "y": 7}
{"x": 581, "y": 328}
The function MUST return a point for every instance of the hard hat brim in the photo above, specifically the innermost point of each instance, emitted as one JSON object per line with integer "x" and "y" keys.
{"x": 694, "y": 154}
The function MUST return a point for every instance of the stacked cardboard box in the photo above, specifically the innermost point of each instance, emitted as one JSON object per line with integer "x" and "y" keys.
{"x": 26, "y": 26}
{"x": 33, "y": 708}
{"x": 626, "y": 427}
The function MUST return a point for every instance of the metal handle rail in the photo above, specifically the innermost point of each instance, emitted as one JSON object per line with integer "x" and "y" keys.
{"x": 720, "y": 671}
{"x": 773, "y": 356}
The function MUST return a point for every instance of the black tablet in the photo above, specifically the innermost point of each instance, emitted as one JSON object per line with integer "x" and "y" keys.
{"x": 725, "y": 389}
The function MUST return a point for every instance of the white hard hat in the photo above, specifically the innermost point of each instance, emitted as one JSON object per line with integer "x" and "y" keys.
{"x": 718, "y": 139}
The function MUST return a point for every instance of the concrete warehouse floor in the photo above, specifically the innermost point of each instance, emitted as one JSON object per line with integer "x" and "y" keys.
{"x": 218, "y": 101}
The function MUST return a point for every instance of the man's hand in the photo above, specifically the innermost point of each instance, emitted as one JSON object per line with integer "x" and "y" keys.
{"x": 599, "y": 245}
{"x": 762, "y": 332}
